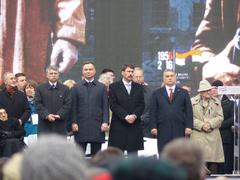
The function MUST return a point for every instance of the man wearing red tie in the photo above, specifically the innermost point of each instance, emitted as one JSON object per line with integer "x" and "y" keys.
{"x": 171, "y": 111}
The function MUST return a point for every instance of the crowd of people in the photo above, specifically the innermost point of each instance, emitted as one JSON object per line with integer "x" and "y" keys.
{"x": 126, "y": 111}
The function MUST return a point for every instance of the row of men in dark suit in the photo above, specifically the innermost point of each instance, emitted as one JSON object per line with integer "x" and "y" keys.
{"x": 87, "y": 107}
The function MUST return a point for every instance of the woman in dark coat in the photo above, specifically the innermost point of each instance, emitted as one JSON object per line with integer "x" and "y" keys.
{"x": 11, "y": 133}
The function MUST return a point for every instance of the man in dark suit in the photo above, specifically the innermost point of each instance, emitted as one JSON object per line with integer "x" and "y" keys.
{"x": 14, "y": 101}
{"x": 225, "y": 129}
{"x": 90, "y": 114}
{"x": 127, "y": 104}
{"x": 171, "y": 111}
{"x": 138, "y": 77}
{"x": 53, "y": 103}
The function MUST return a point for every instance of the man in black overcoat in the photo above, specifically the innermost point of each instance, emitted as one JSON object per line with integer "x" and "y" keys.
{"x": 90, "y": 114}
{"x": 14, "y": 101}
{"x": 225, "y": 129}
{"x": 127, "y": 104}
{"x": 53, "y": 104}
{"x": 171, "y": 112}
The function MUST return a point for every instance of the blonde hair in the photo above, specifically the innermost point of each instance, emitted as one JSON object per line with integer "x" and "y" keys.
{"x": 69, "y": 83}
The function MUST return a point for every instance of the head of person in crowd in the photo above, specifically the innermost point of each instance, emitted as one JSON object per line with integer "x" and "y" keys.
{"x": 52, "y": 74}
{"x": 9, "y": 80}
{"x": 127, "y": 72}
{"x": 186, "y": 87}
{"x": 215, "y": 85}
{"x": 169, "y": 77}
{"x": 52, "y": 157}
{"x": 105, "y": 79}
{"x": 21, "y": 81}
{"x": 3, "y": 160}
{"x": 88, "y": 71}
{"x": 30, "y": 88}
{"x": 110, "y": 72}
{"x": 3, "y": 115}
{"x": 138, "y": 76}
{"x": 105, "y": 157}
{"x": 205, "y": 89}
{"x": 187, "y": 155}
{"x": 11, "y": 170}
{"x": 142, "y": 168}
{"x": 69, "y": 83}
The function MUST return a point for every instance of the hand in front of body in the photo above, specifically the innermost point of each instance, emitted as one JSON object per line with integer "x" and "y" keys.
{"x": 131, "y": 118}
{"x": 104, "y": 127}
{"x": 206, "y": 127}
{"x": 188, "y": 132}
{"x": 51, "y": 117}
{"x": 154, "y": 132}
{"x": 75, "y": 127}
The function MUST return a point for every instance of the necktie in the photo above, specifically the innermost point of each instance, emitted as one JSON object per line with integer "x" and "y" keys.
{"x": 170, "y": 94}
{"x": 128, "y": 87}
{"x": 52, "y": 86}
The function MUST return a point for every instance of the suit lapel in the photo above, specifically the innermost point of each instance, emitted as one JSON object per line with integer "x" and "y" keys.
{"x": 122, "y": 87}
{"x": 176, "y": 92}
{"x": 163, "y": 91}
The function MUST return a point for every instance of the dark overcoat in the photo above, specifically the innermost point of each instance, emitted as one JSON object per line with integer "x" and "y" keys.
{"x": 52, "y": 101}
{"x": 170, "y": 118}
{"x": 17, "y": 106}
{"x": 122, "y": 134}
{"x": 90, "y": 110}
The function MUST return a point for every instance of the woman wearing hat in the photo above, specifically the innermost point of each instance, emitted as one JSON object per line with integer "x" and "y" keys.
{"x": 207, "y": 119}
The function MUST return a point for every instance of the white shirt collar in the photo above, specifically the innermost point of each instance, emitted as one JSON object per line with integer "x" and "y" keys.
{"x": 172, "y": 87}
{"x": 126, "y": 83}
{"x": 55, "y": 84}
{"x": 88, "y": 81}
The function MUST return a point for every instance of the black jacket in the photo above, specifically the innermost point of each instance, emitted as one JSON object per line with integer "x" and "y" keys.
{"x": 17, "y": 106}
{"x": 226, "y": 127}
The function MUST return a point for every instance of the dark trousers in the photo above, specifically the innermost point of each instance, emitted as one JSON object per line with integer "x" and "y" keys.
{"x": 95, "y": 147}
{"x": 227, "y": 166}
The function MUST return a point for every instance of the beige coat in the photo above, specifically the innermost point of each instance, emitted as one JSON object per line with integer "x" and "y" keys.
{"x": 210, "y": 142}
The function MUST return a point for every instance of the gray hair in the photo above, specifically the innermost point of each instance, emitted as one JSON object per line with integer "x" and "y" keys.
{"x": 52, "y": 157}
{"x": 55, "y": 68}
{"x": 138, "y": 69}
{"x": 5, "y": 75}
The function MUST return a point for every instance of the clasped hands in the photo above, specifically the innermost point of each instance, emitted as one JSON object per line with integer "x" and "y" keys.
{"x": 206, "y": 127}
{"x": 131, "y": 118}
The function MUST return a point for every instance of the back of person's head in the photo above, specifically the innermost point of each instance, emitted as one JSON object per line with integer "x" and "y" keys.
{"x": 142, "y": 168}
{"x": 105, "y": 157}
{"x": 3, "y": 160}
{"x": 187, "y": 155}
{"x": 53, "y": 158}
{"x": 107, "y": 70}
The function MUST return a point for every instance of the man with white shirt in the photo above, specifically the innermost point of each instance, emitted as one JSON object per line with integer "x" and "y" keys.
{"x": 127, "y": 104}
{"x": 53, "y": 104}
{"x": 171, "y": 111}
